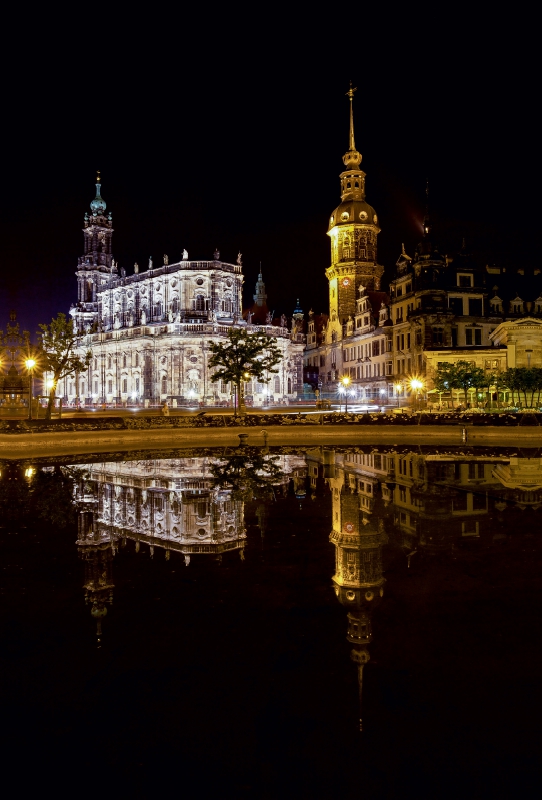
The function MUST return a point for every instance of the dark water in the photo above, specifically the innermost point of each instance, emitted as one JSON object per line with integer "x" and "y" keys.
{"x": 205, "y": 625}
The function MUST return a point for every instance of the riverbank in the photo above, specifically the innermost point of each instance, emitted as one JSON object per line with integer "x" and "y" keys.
{"x": 36, "y": 443}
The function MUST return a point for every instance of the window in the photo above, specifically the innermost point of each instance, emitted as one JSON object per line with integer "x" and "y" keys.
{"x": 376, "y": 348}
{"x": 124, "y": 385}
{"x": 455, "y": 304}
{"x": 438, "y": 336}
{"x": 137, "y": 359}
{"x": 95, "y": 387}
{"x": 137, "y": 384}
{"x": 473, "y": 336}
{"x": 475, "y": 307}
{"x": 110, "y": 387}
{"x": 464, "y": 281}
{"x": 124, "y": 360}
{"x": 200, "y": 303}
{"x": 277, "y": 383}
{"x": 164, "y": 385}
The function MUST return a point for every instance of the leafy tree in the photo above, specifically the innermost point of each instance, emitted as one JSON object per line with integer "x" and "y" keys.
{"x": 242, "y": 356}
{"x": 58, "y": 354}
{"x": 526, "y": 381}
{"x": 460, "y": 375}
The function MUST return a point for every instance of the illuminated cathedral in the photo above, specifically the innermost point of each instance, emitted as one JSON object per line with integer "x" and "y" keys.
{"x": 149, "y": 332}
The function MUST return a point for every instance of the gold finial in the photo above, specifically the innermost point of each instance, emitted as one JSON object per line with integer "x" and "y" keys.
{"x": 350, "y": 95}
{"x": 98, "y": 179}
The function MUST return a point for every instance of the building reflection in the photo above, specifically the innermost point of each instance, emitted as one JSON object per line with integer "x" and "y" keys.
{"x": 185, "y": 506}
{"x": 417, "y": 504}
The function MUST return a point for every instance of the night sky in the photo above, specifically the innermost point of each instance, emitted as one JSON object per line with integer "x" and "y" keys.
{"x": 228, "y": 133}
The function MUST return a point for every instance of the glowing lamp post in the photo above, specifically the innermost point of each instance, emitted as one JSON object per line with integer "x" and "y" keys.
{"x": 345, "y": 383}
{"x": 397, "y": 387}
{"x": 416, "y": 386}
{"x": 30, "y": 363}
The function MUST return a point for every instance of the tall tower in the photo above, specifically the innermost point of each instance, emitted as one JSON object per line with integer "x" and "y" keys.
{"x": 353, "y": 229}
{"x": 97, "y": 265}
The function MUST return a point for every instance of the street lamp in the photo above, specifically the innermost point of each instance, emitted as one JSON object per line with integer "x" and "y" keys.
{"x": 397, "y": 387}
{"x": 345, "y": 381}
{"x": 416, "y": 385}
{"x": 30, "y": 363}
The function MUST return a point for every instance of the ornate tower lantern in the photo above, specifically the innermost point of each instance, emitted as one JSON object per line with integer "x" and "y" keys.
{"x": 353, "y": 229}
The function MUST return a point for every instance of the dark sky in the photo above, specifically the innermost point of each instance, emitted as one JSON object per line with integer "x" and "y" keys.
{"x": 228, "y": 132}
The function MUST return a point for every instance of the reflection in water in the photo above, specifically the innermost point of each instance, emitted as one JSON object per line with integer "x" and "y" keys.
{"x": 189, "y": 506}
{"x": 412, "y": 503}
{"x": 429, "y": 503}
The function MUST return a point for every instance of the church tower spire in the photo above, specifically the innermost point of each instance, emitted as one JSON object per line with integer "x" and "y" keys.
{"x": 353, "y": 229}
{"x": 97, "y": 265}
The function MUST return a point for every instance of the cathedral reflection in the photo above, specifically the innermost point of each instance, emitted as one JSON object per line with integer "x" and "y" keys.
{"x": 185, "y": 506}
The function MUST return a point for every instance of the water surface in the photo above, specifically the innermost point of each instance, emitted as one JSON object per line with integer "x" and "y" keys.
{"x": 273, "y": 623}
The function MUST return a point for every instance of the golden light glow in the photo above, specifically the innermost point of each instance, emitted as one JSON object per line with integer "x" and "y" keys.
{"x": 345, "y": 380}
{"x": 416, "y": 384}
{"x": 29, "y": 471}
{"x": 51, "y": 383}
{"x": 30, "y": 363}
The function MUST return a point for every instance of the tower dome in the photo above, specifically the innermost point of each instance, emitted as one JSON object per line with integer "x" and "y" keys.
{"x": 98, "y": 205}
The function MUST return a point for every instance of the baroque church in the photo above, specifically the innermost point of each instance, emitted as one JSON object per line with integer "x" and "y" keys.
{"x": 437, "y": 308}
{"x": 149, "y": 332}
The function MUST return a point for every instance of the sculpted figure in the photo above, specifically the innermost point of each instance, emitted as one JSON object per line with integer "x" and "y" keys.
{"x": 166, "y": 260}
{"x": 185, "y": 255}
{"x": 150, "y": 262}
{"x": 136, "y": 268}
{"x": 239, "y": 259}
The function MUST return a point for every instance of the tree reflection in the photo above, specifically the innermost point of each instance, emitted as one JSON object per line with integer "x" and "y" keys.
{"x": 251, "y": 474}
{"x": 28, "y": 494}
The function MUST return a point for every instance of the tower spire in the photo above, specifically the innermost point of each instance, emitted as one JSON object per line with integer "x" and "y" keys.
{"x": 426, "y": 219}
{"x": 98, "y": 205}
{"x": 350, "y": 95}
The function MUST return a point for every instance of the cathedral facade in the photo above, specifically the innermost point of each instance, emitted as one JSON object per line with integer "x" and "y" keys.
{"x": 149, "y": 332}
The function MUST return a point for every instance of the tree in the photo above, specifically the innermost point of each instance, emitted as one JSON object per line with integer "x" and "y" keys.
{"x": 58, "y": 354}
{"x": 526, "y": 381}
{"x": 244, "y": 355}
{"x": 461, "y": 375}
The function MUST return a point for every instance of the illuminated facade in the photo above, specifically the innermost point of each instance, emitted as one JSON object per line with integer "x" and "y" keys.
{"x": 438, "y": 309}
{"x": 149, "y": 332}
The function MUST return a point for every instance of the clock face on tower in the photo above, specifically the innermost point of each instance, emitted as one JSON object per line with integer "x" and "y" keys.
{"x": 346, "y": 282}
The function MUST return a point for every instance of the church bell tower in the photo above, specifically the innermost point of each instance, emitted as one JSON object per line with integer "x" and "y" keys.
{"x": 353, "y": 229}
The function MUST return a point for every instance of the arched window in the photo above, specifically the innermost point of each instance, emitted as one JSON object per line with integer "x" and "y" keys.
{"x": 200, "y": 303}
{"x": 277, "y": 384}
{"x": 109, "y": 362}
{"x": 289, "y": 386}
{"x": 124, "y": 360}
{"x": 164, "y": 385}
